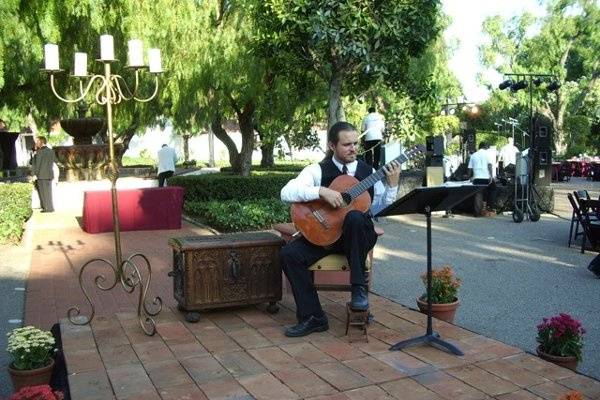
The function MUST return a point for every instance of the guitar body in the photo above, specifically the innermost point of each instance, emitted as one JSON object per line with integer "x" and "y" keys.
{"x": 322, "y": 224}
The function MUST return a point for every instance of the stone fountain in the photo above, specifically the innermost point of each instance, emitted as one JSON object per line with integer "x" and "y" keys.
{"x": 83, "y": 160}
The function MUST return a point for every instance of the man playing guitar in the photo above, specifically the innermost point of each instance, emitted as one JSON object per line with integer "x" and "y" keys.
{"x": 358, "y": 234}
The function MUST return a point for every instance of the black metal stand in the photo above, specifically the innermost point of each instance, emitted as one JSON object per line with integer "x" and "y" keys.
{"x": 430, "y": 336}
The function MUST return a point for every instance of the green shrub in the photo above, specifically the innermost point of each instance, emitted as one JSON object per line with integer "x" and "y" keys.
{"x": 15, "y": 209}
{"x": 233, "y": 215}
{"x": 221, "y": 186}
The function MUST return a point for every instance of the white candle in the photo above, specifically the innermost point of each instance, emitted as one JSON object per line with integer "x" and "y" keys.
{"x": 80, "y": 68}
{"x": 154, "y": 60}
{"x": 135, "y": 53}
{"x": 51, "y": 57}
{"x": 107, "y": 50}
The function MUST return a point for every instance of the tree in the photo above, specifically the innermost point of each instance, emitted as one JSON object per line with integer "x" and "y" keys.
{"x": 567, "y": 46}
{"x": 349, "y": 44}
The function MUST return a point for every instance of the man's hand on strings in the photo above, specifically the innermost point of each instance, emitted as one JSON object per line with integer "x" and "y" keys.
{"x": 332, "y": 197}
{"x": 392, "y": 173}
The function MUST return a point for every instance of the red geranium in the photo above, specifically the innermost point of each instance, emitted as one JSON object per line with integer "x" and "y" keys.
{"x": 41, "y": 392}
{"x": 561, "y": 335}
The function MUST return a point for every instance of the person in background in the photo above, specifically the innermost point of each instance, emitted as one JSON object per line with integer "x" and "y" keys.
{"x": 166, "y": 164}
{"x": 43, "y": 161}
{"x": 480, "y": 171}
{"x": 508, "y": 157}
{"x": 358, "y": 233}
{"x": 373, "y": 126}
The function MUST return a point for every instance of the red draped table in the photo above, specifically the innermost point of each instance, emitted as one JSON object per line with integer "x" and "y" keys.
{"x": 139, "y": 209}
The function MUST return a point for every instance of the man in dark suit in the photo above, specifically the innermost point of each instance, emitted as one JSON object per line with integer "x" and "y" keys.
{"x": 42, "y": 169}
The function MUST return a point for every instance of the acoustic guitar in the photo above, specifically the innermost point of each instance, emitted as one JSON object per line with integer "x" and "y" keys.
{"x": 320, "y": 223}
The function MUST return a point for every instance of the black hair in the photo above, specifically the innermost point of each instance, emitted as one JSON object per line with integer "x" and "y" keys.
{"x": 333, "y": 135}
{"x": 484, "y": 145}
{"x": 371, "y": 109}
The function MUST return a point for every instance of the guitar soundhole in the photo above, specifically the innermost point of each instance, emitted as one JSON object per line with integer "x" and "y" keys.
{"x": 347, "y": 198}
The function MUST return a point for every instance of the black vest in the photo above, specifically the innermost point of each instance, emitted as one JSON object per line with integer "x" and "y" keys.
{"x": 329, "y": 171}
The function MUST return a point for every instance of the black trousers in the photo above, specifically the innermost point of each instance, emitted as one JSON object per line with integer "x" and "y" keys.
{"x": 489, "y": 193}
{"x": 358, "y": 238}
{"x": 163, "y": 176}
{"x": 44, "y": 188}
{"x": 373, "y": 152}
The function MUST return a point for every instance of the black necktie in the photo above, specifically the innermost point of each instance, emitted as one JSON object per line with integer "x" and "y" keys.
{"x": 344, "y": 169}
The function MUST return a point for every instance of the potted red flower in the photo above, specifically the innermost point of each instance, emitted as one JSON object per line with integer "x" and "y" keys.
{"x": 572, "y": 395}
{"x": 444, "y": 287}
{"x": 41, "y": 392}
{"x": 561, "y": 339}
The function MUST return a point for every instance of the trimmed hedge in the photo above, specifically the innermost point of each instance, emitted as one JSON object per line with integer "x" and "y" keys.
{"x": 15, "y": 209}
{"x": 233, "y": 215}
{"x": 222, "y": 186}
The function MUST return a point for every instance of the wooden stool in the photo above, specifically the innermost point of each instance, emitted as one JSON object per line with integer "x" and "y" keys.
{"x": 357, "y": 318}
{"x": 331, "y": 272}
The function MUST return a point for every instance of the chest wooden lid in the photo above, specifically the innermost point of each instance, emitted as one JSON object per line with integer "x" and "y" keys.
{"x": 241, "y": 239}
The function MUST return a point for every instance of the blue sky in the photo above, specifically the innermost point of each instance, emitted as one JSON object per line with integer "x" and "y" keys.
{"x": 467, "y": 18}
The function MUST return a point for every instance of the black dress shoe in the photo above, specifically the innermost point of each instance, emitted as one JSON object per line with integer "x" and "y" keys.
{"x": 310, "y": 325}
{"x": 360, "y": 298}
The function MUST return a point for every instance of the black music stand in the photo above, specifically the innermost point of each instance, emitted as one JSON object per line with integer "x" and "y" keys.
{"x": 424, "y": 201}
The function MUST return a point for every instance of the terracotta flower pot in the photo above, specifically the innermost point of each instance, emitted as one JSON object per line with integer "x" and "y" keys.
{"x": 569, "y": 362}
{"x": 444, "y": 312}
{"x": 31, "y": 377}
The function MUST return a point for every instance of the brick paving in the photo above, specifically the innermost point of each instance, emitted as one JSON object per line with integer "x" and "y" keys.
{"x": 241, "y": 353}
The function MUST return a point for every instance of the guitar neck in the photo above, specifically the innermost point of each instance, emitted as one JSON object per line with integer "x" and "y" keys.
{"x": 372, "y": 179}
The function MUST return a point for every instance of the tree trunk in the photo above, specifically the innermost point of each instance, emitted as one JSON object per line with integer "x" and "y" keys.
{"x": 335, "y": 112}
{"x": 124, "y": 140}
{"x": 211, "y": 148}
{"x": 266, "y": 149}
{"x": 288, "y": 140}
{"x": 246, "y": 122}
{"x": 222, "y": 135}
{"x": 267, "y": 159}
{"x": 186, "y": 147}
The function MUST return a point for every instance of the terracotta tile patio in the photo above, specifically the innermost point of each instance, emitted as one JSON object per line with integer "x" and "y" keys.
{"x": 242, "y": 353}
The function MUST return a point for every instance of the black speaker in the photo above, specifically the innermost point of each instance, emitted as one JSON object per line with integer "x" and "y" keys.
{"x": 469, "y": 137}
{"x": 542, "y": 147}
{"x": 435, "y": 145}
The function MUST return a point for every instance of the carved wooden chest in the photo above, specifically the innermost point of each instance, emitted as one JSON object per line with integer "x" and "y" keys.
{"x": 213, "y": 271}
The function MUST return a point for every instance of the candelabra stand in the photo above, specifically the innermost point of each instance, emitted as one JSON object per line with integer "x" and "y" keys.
{"x": 111, "y": 90}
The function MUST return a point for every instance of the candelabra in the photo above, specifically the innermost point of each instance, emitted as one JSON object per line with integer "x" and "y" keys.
{"x": 111, "y": 90}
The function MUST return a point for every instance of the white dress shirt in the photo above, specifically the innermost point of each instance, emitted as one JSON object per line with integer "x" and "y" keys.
{"x": 373, "y": 126}
{"x": 508, "y": 154}
{"x": 305, "y": 187}
{"x": 166, "y": 159}
{"x": 479, "y": 162}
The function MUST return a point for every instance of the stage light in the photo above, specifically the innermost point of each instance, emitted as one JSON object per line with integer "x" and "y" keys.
{"x": 505, "y": 84}
{"x": 443, "y": 112}
{"x": 518, "y": 85}
{"x": 553, "y": 86}
{"x": 452, "y": 111}
{"x": 537, "y": 81}
{"x": 474, "y": 110}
